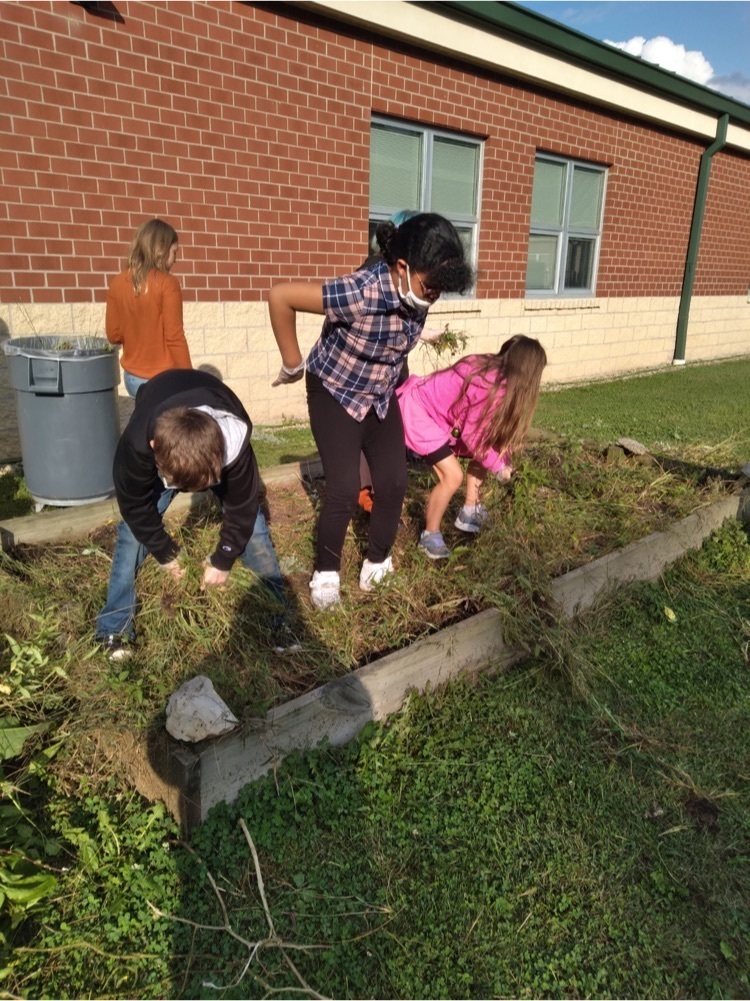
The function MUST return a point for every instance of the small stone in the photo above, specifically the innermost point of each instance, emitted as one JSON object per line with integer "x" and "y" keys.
{"x": 195, "y": 712}
{"x": 632, "y": 446}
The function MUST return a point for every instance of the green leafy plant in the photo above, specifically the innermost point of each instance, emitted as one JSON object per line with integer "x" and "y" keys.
{"x": 30, "y": 697}
{"x": 447, "y": 344}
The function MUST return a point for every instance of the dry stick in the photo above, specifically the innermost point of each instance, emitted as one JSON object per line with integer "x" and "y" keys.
{"x": 269, "y": 919}
{"x": 253, "y": 947}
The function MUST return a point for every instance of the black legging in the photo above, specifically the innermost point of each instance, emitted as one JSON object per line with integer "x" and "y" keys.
{"x": 340, "y": 439}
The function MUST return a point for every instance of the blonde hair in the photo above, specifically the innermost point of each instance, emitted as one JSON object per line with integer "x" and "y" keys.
{"x": 188, "y": 448}
{"x": 512, "y": 378}
{"x": 149, "y": 249}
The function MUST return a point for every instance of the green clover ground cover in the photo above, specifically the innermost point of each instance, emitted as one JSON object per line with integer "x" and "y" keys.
{"x": 576, "y": 827}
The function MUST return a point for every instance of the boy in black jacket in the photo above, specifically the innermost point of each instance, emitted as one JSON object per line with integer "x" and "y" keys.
{"x": 188, "y": 432}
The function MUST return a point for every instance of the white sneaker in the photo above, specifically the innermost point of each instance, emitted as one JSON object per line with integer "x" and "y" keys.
{"x": 373, "y": 574}
{"x": 324, "y": 588}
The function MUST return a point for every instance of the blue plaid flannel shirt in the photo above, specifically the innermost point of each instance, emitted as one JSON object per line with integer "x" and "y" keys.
{"x": 366, "y": 335}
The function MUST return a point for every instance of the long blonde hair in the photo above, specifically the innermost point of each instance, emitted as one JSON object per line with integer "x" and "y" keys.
{"x": 149, "y": 249}
{"x": 512, "y": 378}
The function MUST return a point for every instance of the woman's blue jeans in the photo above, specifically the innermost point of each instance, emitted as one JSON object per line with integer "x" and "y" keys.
{"x": 117, "y": 617}
{"x": 132, "y": 382}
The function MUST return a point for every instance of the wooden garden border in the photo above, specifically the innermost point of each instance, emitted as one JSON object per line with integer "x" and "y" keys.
{"x": 192, "y": 779}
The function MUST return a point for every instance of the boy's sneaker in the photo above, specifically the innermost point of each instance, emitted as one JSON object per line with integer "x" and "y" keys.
{"x": 434, "y": 545}
{"x": 116, "y": 647}
{"x": 373, "y": 574}
{"x": 325, "y": 589}
{"x": 472, "y": 519}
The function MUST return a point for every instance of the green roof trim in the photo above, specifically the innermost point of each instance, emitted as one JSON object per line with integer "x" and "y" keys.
{"x": 547, "y": 35}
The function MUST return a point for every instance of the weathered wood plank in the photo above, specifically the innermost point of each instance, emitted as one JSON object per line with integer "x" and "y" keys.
{"x": 646, "y": 559}
{"x": 337, "y": 711}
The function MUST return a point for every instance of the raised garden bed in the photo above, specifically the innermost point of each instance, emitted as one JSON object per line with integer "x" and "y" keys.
{"x": 473, "y": 613}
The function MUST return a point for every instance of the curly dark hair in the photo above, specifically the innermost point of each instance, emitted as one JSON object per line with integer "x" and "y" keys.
{"x": 428, "y": 243}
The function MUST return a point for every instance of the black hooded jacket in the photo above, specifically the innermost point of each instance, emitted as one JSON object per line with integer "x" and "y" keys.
{"x": 138, "y": 485}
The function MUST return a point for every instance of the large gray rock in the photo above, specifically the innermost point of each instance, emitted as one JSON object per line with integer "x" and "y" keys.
{"x": 195, "y": 712}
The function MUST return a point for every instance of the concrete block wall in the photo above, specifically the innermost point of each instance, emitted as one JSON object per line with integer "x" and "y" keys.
{"x": 584, "y": 339}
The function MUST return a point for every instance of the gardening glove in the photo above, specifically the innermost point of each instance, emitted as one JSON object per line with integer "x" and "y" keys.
{"x": 504, "y": 474}
{"x": 174, "y": 569}
{"x": 289, "y": 375}
{"x": 213, "y": 577}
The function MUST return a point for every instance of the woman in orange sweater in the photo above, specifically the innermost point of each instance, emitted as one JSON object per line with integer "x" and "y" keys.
{"x": 144, "y": 308}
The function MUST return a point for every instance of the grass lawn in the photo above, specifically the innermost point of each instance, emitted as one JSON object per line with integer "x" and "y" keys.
{"x": 576, "y": 827}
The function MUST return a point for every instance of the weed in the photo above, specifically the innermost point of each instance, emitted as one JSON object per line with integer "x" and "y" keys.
{"x": 447, "y": 344}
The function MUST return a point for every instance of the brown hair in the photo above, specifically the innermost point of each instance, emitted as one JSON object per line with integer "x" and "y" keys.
{"x": 188, "y": 448}
{"x": 512, "y": 378}
{"x": 150, "y": 249}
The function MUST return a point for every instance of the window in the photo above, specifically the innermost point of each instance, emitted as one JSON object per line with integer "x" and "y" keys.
{"x": 428, "y": 170}
{"x": 566, "y": 227}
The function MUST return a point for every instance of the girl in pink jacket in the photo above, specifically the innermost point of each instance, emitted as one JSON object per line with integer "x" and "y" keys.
{"x": 480, "y": 408}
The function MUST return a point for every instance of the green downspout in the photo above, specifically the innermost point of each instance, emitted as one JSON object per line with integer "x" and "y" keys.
{"x": 696, "y": 227}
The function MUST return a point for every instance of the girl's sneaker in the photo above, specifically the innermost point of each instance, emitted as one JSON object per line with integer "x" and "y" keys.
{"x": 325, "y": 589}
{"x": 434, "y": 545}
{"x": 373, "y": 574}
{"x": 472, "y": 519}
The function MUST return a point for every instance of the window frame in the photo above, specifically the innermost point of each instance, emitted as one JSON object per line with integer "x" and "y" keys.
{"x": 428, "y": 134}
{"x": 565, "y": 232}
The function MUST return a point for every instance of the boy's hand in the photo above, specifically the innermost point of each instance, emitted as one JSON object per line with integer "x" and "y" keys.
{"x": 174, "y": 569}
{"x": 213, "y": 577}
{"x": 289, "y": 375}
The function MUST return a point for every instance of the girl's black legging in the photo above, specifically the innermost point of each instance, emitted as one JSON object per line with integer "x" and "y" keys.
{"x": 340, "y": 439}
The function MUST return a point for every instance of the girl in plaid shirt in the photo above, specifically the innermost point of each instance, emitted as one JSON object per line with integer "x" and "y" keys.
{"x": 373, "y": 318}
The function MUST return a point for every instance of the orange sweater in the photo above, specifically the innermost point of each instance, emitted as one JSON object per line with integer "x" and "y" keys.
{"x": 149, "y": 325}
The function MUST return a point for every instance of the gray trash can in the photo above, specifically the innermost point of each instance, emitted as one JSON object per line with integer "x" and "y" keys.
{"x": 68, "y": 416}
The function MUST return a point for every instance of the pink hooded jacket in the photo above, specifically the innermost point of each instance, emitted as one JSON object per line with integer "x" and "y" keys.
{"x": 426, "y": 403}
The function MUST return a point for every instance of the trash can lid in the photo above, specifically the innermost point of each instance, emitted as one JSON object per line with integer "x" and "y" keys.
{"x": 58, "y": 346}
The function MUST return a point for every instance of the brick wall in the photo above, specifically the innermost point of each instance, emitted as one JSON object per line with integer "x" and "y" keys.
{"x": 724, "y": 257}
{"x": 249, "y": 131}
{"x": 247, "y": 127}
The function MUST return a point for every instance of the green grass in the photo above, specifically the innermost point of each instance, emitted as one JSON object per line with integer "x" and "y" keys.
{"x": 686, "y": 411}
{"x": 15, "y": 500}
{"x": 578, "y": 827}
{"x": 528, "y": 836}
{"x": 277, "y": 445}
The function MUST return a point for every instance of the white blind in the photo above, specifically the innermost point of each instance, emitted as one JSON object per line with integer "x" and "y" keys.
{"x": 547, "y": 197}
{"x": 586, "y": 198}
{"x": 395, "y": 168}
{"x": 454, "y": 177}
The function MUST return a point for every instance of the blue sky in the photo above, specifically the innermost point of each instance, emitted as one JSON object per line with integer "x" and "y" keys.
{"x": 706, "y": 40}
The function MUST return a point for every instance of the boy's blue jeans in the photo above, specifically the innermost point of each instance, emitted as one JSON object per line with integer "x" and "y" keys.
{"x": 117, "y": 618}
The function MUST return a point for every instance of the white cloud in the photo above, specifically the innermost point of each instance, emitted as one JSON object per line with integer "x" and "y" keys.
{"x": 734, "y": 85}
{"x": 688, "y": 63}
{"x": 670, "y": 56}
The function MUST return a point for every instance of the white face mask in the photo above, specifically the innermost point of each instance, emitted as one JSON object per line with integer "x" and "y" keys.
{"x": 410, "y": 299}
